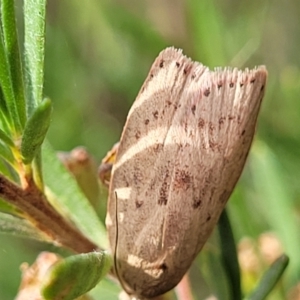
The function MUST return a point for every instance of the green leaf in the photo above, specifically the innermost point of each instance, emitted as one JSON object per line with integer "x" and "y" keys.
{"x": 277, "y": 206}
{"x": 106, "y": 289}
{"x": 37, "y": 170}
{"x": 65, "y": 195}
{"x": 6, "y": 154}
{"x": 7, "y": 208}
{"x": 229, "y": 256}
{"x": 75, "y": 275}
{"x": 6, "y": 139}
{"x": 210, "y": 263}
{"x": 12, "y": 48}
{"x": 34, "y": 15}
{"x": 35, "y": 130}
{"x": 7, "y": 167}
{"x": 8, "y": 108}
{"x": 82, "y": 165}
{"x": 13, "y": 225}
{"x": 4, "y": 120}
{"x": 270, "y": 278}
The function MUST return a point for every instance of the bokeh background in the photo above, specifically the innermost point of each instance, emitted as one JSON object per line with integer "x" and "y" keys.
{"x": 98, "y": 54}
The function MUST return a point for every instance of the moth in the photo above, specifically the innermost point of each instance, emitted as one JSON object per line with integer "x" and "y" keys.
{"x": 182, "y": 150}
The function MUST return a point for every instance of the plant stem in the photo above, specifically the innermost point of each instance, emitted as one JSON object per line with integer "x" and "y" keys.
{"x": 44, "y": 217}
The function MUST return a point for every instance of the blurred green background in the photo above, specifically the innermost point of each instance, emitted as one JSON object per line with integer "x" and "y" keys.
{"x": 98, "y": 54}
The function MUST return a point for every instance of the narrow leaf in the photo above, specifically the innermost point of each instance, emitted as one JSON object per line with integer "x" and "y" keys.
{"x": 37, "y": 170}
{"x": 19, "y": 227}
{"x": 12, "y": 48}
{"x": 34, "y": 14}
{"x": 4, "y": 115}
{"x": 6, "y": 153}
{"x": 82, "y": 165}
{"x": 6, "y": 139}
{"x": 7, "y": 166}
{"x": 65, "y": 195}
{"x": 9, "y": 109}
{"x": 209, "y": 262}
{"x": 76, "y": 275}
{"x": 229, "y": 256}
{"x": 8, "y": 208}
{"x": 35, "y": 130}
{"x": 270, "y": 278}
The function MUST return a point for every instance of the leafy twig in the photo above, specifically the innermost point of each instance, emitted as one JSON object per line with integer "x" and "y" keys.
{"x": 34, "y": 204}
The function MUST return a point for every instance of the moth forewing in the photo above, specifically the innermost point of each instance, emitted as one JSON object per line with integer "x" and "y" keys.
{"x": 181, "y": 153}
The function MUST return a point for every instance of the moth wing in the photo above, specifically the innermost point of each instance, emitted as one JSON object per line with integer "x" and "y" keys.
{"x": 182, "y": 150}
{"x": 147, "y": 124}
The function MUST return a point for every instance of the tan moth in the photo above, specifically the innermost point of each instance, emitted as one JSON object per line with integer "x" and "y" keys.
{"x": 182, "y": 150}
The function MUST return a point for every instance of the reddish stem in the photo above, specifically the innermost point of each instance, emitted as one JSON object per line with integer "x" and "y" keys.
{"x": 34, "y": 204}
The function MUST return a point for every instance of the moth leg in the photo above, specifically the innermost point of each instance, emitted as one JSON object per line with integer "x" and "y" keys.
{"x": 104, "y": 170}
